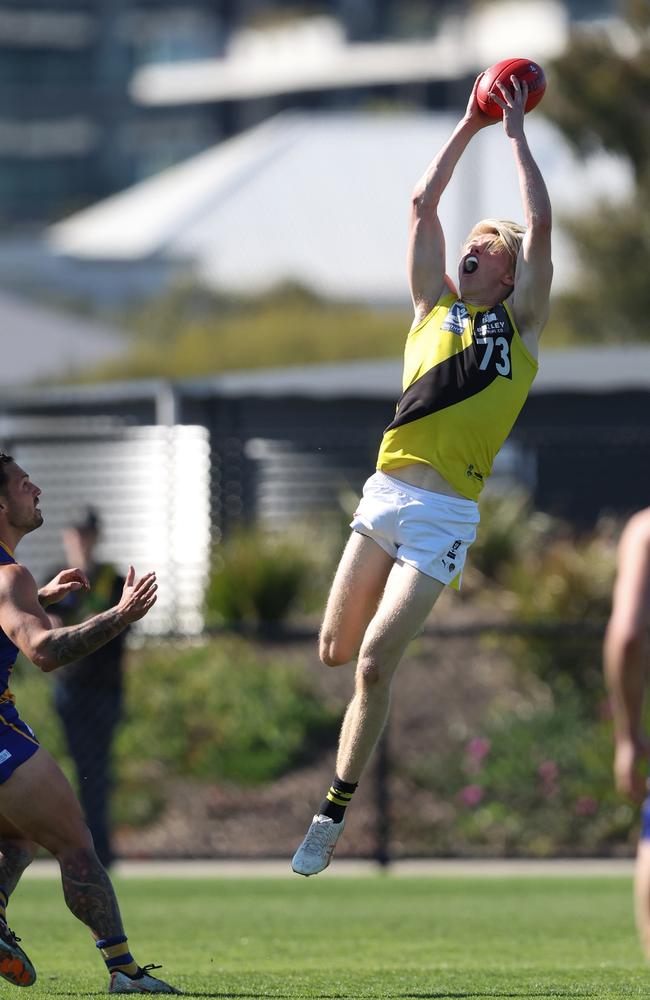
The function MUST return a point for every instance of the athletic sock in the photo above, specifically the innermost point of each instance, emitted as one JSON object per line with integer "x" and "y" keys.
{"x": 117, "y": 956}
{"x": 4, "y": 899}
{"x": 337, "y": 799}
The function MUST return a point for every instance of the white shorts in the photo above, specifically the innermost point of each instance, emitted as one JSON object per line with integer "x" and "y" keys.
{"x": 429, "y": 531}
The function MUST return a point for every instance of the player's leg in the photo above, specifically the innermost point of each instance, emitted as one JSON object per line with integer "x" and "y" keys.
{"x": 16, "y": 853}
{"x": 354, "y": 596}
{"x": 642, "y": 893}
{"x": 407, "y": 600}
{"x": 38, "y": 800}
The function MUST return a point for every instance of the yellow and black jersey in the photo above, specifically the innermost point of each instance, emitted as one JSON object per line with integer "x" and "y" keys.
{"x": 467, "y": 374}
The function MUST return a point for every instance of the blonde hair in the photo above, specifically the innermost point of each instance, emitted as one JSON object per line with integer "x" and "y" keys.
{"x": 507, "y": 235}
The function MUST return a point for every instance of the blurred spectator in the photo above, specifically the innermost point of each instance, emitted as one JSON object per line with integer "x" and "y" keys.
{"x": 88, "y": 693}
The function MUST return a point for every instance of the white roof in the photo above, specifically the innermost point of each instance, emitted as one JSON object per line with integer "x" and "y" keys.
{"x": 312, "y": 54}
{"x": 323, "y": 199}
{"x": 42, "y": 343}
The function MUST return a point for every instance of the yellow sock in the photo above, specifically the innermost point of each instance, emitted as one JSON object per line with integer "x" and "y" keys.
{"x": 117, "y": 956}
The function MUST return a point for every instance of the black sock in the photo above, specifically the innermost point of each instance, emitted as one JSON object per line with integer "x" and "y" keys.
{"x": 337, "y": 799}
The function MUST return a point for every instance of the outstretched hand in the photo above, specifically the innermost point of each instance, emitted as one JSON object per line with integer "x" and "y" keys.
{"x": 473, "y": 113}
{"x": 513, "y": 105}
{"x": 64, "y": 583}
{"x": 138, "y": 596}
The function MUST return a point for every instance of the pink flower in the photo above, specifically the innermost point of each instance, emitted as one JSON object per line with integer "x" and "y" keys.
{"x": 471, "y": 795}
{"x": 548, "y": 771}
{"x": 586, "y": 805}
{"x": 478, "y": 748}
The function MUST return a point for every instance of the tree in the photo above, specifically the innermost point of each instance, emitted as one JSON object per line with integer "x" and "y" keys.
{"x": 600, "y": 100}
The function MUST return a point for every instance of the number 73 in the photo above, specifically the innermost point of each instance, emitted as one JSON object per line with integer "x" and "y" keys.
{"x": 502, "y": 364}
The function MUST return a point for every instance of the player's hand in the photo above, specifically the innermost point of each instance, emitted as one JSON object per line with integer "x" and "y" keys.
{"x": 138, "y": 596}
{"x": 473, "y": 113}
{"x": 630, "y": 766}
{"x": 64, "y": 583}
{"x": 512, "y": 102}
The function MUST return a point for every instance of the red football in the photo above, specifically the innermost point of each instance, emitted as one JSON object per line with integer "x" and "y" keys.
{"x": 501, "y": 72}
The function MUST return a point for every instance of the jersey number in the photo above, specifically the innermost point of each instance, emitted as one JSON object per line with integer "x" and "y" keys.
{"x": 502, "y": 364}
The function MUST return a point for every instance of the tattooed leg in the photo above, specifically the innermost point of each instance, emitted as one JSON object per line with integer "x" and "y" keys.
{"x": 89, "y": 893}
{"x": 15, "y": 856}
{"x": 38, "y": 800}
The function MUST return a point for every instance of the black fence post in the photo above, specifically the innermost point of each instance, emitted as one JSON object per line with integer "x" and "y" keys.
{"x": 382, "y": 848}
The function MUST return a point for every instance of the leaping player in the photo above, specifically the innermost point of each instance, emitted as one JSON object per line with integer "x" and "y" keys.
{"x": 469, "y": 363}
{"x": 37, "y": 805}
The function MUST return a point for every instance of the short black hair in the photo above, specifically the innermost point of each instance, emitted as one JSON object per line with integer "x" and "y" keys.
{"x": 85, "y": 519}
{"x": 5, "y": 460}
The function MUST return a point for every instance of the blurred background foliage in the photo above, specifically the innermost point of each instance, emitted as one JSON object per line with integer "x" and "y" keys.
{"x": 599, "y": 100}
{"x": 204, "y": 332}
{"x": 260, "y": 579}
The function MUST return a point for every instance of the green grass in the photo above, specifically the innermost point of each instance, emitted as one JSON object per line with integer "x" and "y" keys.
{"x": 342, "y": 938}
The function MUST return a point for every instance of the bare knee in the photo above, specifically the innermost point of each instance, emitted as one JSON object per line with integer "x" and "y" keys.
{"x": 372, "y": 673}
{"x": 68, "y": 840}
{"x": 18, "y": 852}
{"x": 333, "y": 652}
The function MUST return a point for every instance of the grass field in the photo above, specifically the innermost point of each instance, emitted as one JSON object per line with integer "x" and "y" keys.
{"x": 339, "y": 938}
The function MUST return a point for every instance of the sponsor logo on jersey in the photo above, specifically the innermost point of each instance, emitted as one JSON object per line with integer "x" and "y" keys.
{"x": 4, "y": 755}
{"x": 457, "y": 319}
{"x": 491, "y": 325}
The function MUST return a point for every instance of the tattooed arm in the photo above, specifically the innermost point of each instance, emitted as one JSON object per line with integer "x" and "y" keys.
{"x": 25, "y": 622}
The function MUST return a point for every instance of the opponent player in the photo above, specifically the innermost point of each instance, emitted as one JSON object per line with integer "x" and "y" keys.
{"x": 37, "y": 805}
{"x": 627, "y": 657}
{"x": 469, "y": 362}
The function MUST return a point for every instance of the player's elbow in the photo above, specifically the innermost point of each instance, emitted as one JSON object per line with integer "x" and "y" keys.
{"x": 42, "y": 657}
{"x": 424, "y": 200}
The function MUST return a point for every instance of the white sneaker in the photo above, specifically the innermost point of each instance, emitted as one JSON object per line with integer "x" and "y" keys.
{"x": 316, "y": 850}
{"x": 142, "y": 983}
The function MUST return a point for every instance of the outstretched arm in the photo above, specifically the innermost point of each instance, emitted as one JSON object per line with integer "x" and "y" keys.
{"x": 426, "y": 251}
{"x": 534, "y": 271}
{"x": 24, "y": 621}
{"x": 626, "y": 653}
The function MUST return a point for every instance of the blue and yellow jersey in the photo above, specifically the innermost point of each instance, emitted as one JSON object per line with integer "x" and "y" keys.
{"x": 8, "y": 651}
{"x": 467, "y": 374}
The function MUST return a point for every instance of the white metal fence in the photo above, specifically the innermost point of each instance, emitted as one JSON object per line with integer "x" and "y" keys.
{"x": 151, "y": 488}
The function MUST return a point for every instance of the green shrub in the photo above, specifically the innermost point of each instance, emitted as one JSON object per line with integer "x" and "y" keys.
{"x": 221, "y": 712}
{"x": 259, "y": 577}
{"x": 567, "y": 580}
{"x": 509, "y": 528}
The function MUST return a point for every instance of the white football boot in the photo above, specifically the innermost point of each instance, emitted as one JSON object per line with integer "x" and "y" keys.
{"x": 142, "y": 983}
{"x": 316, "y": 850}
